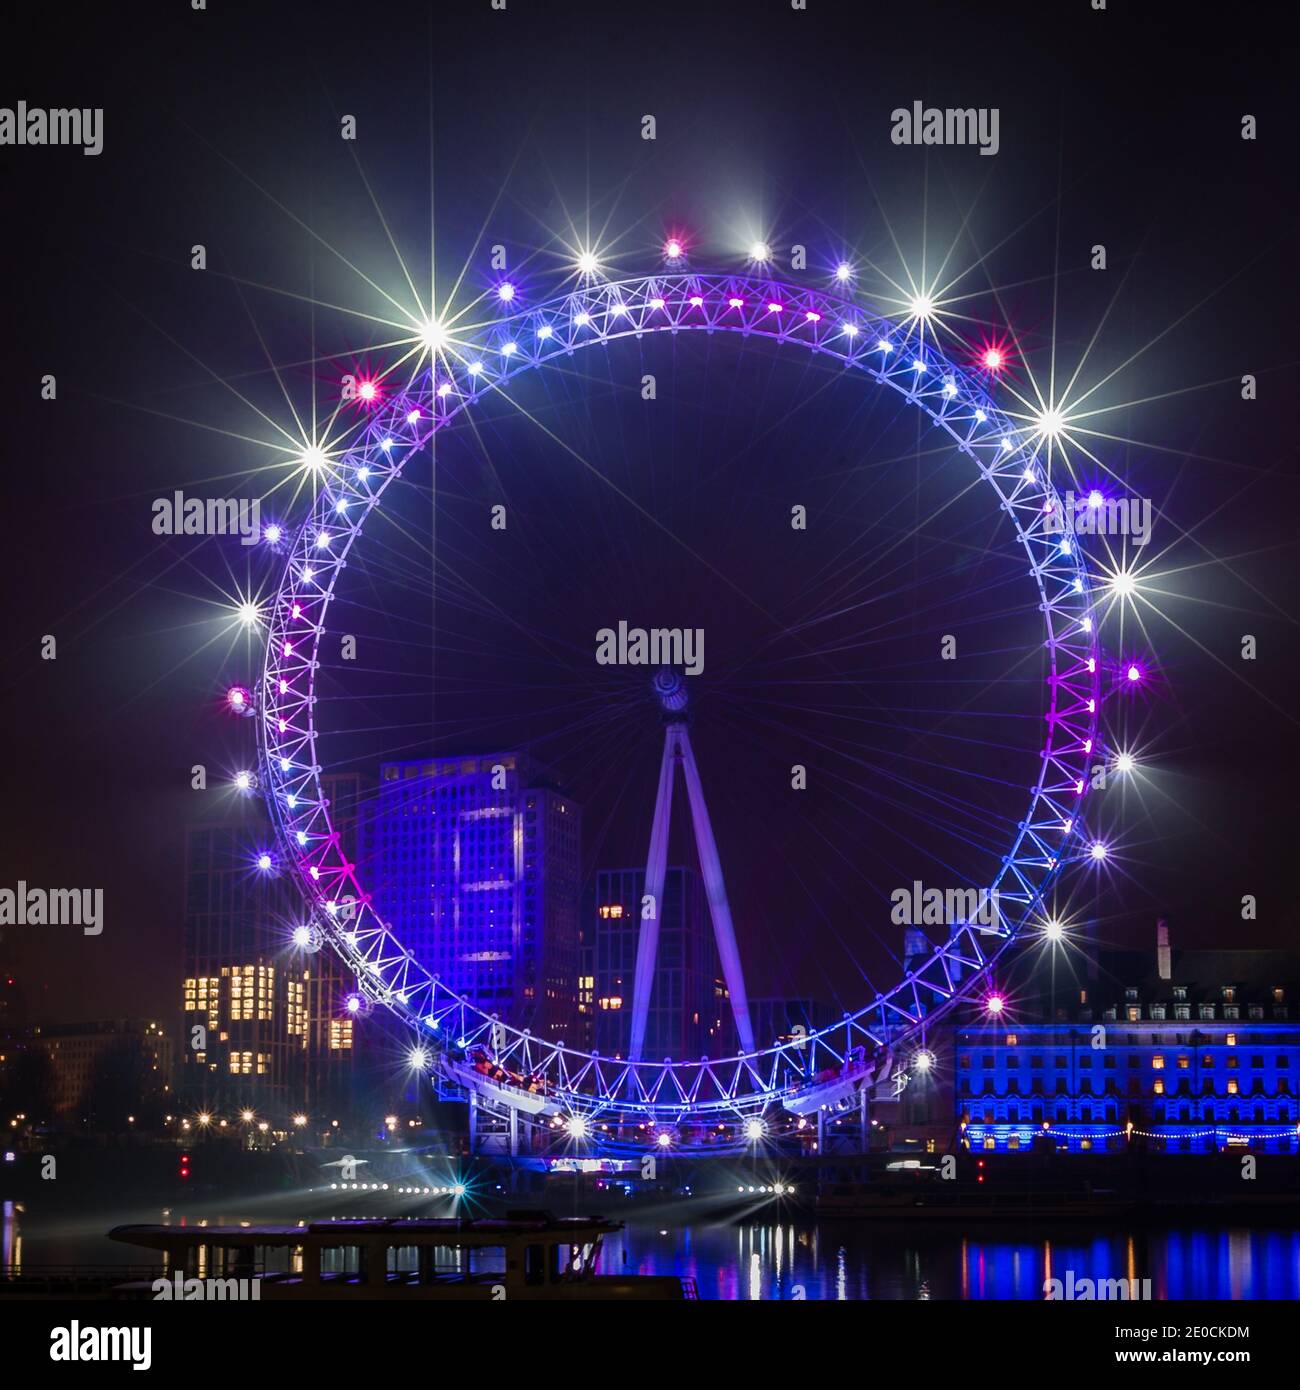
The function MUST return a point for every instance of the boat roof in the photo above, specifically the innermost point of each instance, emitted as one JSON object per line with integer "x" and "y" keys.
{"x": 449, "y": 1229}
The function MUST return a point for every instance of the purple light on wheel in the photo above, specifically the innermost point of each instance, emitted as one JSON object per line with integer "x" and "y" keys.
{"x": 238, "y": 699}
{"x": 265, "y": 862}
{"x": 1095, "y": 499}
{"x": 295, "y": 798}
{"x": 506, "y": 292}
{"x": 1134, "y": 672}
{"x": 673, "y": 249}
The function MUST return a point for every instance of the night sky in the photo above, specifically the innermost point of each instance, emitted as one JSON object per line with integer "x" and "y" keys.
{"x": 475, "y": 127}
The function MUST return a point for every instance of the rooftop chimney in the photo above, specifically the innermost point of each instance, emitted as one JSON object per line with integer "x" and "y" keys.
{"x": 1163, "y": 967}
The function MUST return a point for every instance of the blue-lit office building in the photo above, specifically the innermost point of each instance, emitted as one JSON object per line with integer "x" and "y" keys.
{"x": 476, "y": 864}
{"x": 1183, "y": 1052}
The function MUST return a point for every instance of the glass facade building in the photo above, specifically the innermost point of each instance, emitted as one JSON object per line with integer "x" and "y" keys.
{"x": 476, "y": 864}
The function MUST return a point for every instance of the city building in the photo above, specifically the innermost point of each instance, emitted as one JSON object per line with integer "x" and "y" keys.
{"x": 476, "y": 864}
{"x": 1179, "y": 1051}
{"x": 781, "y": 1020}
{"x": 99, "y": 1069}
{"x": 690, "y": 1010}
{"x": 244, "y": 996}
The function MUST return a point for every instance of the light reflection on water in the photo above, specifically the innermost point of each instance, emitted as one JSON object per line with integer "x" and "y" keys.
{"x": 836, "y": 1260}
{"x": 845, "y": 1261}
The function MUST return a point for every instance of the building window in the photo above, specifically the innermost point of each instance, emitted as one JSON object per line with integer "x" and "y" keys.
{"x": 1158, "y": 1062}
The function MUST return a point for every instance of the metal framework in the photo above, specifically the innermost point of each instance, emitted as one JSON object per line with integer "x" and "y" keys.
{"x": 677, "y": 749}
{"x": 506, "y": 1066}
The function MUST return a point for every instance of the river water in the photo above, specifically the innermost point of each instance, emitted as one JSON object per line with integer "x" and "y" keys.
{"x": 811, "y": 1259}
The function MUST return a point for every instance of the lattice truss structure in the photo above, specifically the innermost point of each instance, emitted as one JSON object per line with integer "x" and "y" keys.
{"x": 544, "y": 1078}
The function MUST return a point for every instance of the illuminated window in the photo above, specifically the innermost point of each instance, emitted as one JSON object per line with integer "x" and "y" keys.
{"x": 1012, "y": 1040}
{"x": 1158, "y": 1062}
{"x": 1184, "y": 1063}
{"x": 1159, "y": 1088}
{"x": 990, "y": 1143}
{"x": 1231, "y": 1040}
{"x": 1232, "y": 1086}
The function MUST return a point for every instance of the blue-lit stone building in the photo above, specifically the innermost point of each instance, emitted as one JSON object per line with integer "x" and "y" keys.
{"x": 1186, "y": 1052}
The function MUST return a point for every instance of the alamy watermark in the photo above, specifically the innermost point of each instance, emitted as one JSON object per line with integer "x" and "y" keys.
{"x": 1085, "y": 1290}
{"x": 1095, "y": 515}
{"x": 919, "y": 906}
{"x": 682, "y": 647}
{"x": 38, "y": 125}
{"x": 53, "y": 907}
{"x": 179, "y": 1289}
{"x": 932, "y": 125}
{"x": 77, "y": 1343}
{"x": 179, "y": 515}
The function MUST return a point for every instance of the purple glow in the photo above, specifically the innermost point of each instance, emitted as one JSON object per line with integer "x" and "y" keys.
{"x": 1134, "y": 672}
{"x": 506, "y": 293}
{"x": 673, "y": 248}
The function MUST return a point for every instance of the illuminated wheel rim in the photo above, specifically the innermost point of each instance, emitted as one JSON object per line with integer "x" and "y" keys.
{"x": 570, "y": 1081}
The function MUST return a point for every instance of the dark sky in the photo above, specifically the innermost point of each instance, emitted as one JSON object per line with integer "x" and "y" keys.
{"x": 221, "y": 128}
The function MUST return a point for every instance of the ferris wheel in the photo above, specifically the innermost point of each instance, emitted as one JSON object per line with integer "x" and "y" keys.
{"x": 759, "y": 1089}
